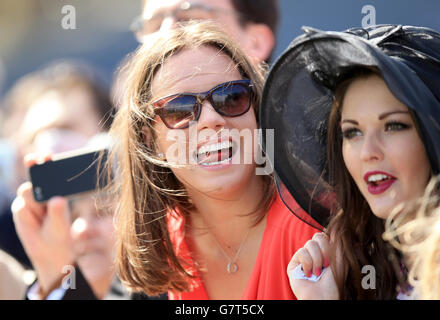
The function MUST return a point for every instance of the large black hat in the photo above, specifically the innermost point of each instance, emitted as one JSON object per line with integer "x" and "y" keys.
{"x": 299, "y": 93}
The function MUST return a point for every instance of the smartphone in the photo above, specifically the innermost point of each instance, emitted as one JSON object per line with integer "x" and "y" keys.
{"x": 68, "y": 174}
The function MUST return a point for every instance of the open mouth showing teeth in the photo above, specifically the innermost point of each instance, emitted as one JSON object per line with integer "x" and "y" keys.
{"x": 215, "y": 154}
{"x": 377, "y": 179}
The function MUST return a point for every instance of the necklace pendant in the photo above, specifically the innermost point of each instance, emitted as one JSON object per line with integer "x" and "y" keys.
{"x": 232, "y": 267}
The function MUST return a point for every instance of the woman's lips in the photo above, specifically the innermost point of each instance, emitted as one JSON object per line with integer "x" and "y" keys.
{"x": 380, "y": 188}
{"x": 215, "y": 155}
{"x": 378, "y": 181}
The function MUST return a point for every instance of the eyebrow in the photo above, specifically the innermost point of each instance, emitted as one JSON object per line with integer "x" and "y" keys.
{"x": 349, "y": 121}
{"x": 381, "y": 117}
{"x": 386, "y": 114}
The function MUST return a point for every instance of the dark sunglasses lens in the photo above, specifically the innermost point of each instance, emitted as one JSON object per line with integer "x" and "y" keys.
{"x": 232, "y": 100}
{"x": 177, "y": 113}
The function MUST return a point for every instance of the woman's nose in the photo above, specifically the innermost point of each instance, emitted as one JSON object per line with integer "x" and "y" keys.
{"x": 372, "y": 148}
{"x": 210, "y": 118}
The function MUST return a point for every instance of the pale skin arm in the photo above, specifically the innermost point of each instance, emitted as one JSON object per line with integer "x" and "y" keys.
{"x": 44, "y": 230}
{"x": 313, "y": 257}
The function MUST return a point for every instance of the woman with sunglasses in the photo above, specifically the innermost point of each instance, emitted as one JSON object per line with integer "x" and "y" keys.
{"x": 194, "y": 219}
{"x": 364, "y": 110}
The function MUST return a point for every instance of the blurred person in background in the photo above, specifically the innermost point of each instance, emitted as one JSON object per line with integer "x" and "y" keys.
{"x": 55, "y": 109}
{"x": 76, "y": 115}
{"x": 83, "y": 228}
{"x": 252, "y": 23}
{"x": 13, "y": 277}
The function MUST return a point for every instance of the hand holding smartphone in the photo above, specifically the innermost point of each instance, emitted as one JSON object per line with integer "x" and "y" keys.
{"x": 67, "y": 174}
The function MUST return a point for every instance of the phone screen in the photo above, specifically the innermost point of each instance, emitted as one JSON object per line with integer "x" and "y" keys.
{"x": 66, "y": 175}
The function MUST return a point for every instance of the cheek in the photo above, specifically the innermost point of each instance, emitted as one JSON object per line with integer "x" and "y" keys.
{"x": 247, "y": 127}
{"x": 244, "y": 123}
{"x": 106, "y": 225}
{"x": 352, "y": 162}
{"x": 173, "y": 143}
{"x": 412, "y": 164}
{"x": 107, "y": 230}
{"x": 160, "y": 138}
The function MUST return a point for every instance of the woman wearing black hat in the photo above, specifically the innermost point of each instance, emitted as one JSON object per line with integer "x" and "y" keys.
{"x": 356, "y": 115}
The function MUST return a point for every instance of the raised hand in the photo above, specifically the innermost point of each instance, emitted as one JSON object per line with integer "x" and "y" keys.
{"x": 314, "y": 258}
{"x": 44, "y": 230}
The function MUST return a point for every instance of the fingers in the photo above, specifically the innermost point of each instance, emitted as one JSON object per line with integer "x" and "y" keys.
{"x": 303, "y": 257}
{"x": 317, "y": 260}
{"x": 32, "y": 159}
{"x": 58, "y": 212}
{"x": 22, "y": 216}
{"x": 323, "y": 242}
{"x": 25, "y": 200}
{"x": 28, "y": 216}
{"x": 25, "y": 203}
{"x": 313, "y": 256}
{"x": 25, "y": 197}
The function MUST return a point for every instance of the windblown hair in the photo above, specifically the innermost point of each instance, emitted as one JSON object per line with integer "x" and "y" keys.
{"x": 146, "y": 188}
{"x": 358, "y": 231}
{"x": 419, "y": 239}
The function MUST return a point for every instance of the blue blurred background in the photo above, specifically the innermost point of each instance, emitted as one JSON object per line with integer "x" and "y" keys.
{"x": 31, "y": 34}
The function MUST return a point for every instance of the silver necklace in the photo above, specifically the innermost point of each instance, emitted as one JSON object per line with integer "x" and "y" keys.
{"x": 232, "y": 266}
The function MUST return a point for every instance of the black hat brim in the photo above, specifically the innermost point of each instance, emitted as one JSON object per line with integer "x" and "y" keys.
{"x": 298, "y": 96}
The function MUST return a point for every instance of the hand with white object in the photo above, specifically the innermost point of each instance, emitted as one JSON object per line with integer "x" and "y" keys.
{"x": 298, "y": 273}
{"x": 309, "y": 271}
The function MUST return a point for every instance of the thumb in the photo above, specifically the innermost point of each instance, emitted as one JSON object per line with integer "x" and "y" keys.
{"x": 58, "y": 212}
{"x": 294, "y": 262}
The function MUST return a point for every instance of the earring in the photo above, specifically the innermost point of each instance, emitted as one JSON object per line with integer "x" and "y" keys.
{"x": 161, "y": 156}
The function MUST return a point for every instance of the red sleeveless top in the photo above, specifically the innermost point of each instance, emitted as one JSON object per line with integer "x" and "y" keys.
{"x": 284, "y": 234}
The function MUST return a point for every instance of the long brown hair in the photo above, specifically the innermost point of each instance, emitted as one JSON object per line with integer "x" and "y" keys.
{"x": 146, "y": 188}
{"x": 359, "y": 231}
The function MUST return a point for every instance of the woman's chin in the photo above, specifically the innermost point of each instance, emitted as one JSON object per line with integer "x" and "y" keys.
{"x": 226, "y": 186}
{"x": 384, "y": 211}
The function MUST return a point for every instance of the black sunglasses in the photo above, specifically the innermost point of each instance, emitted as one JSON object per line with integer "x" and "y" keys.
{"x": 230, "y": 99}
